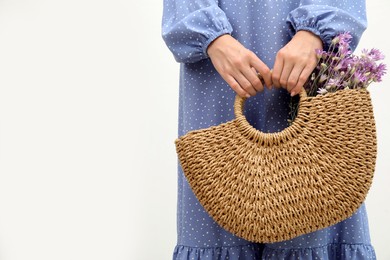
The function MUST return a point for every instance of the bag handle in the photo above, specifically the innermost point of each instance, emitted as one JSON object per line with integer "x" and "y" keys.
{"x": 266, "y": 138}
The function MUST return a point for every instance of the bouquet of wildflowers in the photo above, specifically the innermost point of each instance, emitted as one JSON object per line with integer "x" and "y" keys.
{"x": 339, "y": 69}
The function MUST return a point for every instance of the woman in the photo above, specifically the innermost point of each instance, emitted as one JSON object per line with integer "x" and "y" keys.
{"x": 222, "y": 47}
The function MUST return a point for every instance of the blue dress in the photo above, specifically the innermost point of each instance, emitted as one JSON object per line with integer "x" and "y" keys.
{"x": 205, "y": 99}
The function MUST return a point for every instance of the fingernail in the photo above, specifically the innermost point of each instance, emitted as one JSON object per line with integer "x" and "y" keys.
{"x": 292, "y": 93}
{"x": 247, "y": 95}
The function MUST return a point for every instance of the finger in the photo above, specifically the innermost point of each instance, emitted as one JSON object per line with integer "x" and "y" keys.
{"x": 262, "y": 79}
{"x": 245, "y": 84}
{"x": 287, "y": 68}
{"x": 253, "y": 78}
{"x": 235, "y": 86}
{"x": 294, "y": 76}
{"x": 306, "y": 72}
{"x": 277, "y": 71}
{"x": 255, "y": 71}
{"x": 303, "y": 77}
{"x": 270, "y": 86}
{"x": 263, "y": 69}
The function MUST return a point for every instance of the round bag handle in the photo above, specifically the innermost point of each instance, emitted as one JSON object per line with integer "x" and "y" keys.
{"x": 257, "y": 134}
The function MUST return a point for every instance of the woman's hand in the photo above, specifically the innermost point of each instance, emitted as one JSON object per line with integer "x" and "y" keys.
{"x": 295, "y": 62}
{"x": 238, "y": 66}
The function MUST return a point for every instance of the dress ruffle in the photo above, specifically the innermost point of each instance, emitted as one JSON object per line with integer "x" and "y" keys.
{"x": 258, "y": 251}
{"x": 244, "y": 252}
{"x": 330, "y": 251}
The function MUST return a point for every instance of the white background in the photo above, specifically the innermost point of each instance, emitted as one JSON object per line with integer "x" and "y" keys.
{"x": 88, "y": 118}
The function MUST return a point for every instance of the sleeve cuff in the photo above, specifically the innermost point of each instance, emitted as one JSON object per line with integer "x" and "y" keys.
{"x": 315, "y": 31}
{"x": 326, "y": 22}
{"x": 212, "y": 38}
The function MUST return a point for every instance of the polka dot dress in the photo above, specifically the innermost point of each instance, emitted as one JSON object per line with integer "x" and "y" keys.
{"x": 205, "y": 99}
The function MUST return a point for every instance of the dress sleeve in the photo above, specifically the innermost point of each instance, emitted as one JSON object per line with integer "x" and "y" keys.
{"x": 189, "y": 26}
{"x": 327, "y": 18}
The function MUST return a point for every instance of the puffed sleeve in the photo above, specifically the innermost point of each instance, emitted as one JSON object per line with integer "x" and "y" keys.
{"x": 327, "y": 18}
{"x": 189, "y": 26}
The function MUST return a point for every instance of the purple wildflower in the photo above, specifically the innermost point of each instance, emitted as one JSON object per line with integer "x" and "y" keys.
{"x": 344, "y": 50}
{"x": 345, "y": 38}
{"x": 379, "y": 72}
{"x": 373, "y": 54}
{"x": 342, "y": 42}
{"x": 338, "y": 68}
{"x": 359, "y": 77}
{"x": 347, "y": 63}
{"x": 334, "y": 82}
{"x": 376, "y": 55}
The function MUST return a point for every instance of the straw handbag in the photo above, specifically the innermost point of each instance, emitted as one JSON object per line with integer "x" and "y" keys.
{"x": 269, "y": 187}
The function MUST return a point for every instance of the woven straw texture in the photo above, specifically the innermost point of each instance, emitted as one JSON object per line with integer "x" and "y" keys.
{"x": 270, "y": 187}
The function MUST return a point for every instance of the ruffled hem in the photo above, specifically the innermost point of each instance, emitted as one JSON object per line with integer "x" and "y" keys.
{"x": 259, "y": 251}
{"x": 330, "y": 251}
{"x": 244, "y": 252}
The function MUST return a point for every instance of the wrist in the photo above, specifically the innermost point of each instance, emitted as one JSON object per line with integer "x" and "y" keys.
{"x": 214, "y": 45}
{"x": 311, "y": 37}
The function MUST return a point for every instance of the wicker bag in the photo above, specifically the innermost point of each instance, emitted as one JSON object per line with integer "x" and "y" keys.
{"x": 270, "y": 187}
